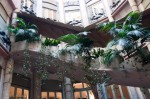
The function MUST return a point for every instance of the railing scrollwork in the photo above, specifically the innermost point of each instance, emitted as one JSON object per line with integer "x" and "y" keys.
{"x": 5, "y": 41}
{"x": 27, "y": 6}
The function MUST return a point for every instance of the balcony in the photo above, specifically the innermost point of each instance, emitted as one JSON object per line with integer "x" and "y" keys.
{"x": 5, "y": 41}
{"x": 75, "y": 22}
{"x": 97, "y": 17}
{"x": 27, "y": 6}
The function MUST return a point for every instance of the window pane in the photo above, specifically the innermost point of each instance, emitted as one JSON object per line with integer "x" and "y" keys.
{"x": 19, "y": 93}
{"x": 12, "y": 91}
{"x": 77, "y": 95}
{"x": 78, "y": 85}
{"x": 84, "y": 95}
{"x": 51, "y": 95}
{"x": 26, "y": 94}
{"x": 59, "y": 95}
{"x": 86, "y": 85}
{"x": 44, "y": 95}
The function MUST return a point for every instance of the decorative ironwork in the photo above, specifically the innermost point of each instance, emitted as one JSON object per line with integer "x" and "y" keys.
{"x": 26, "y": 8}
{"x": 75, "y": 22}
{"x": 115, "y": 4}
{"x": 98, "y": 16}
{"x": 5, "y": 41}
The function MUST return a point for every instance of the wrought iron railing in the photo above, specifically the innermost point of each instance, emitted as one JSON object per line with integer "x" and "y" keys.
{"x": 115, "y": 4}
{"x": 75, "y": 22}
{"x": 27, "y": 8}
{"x": 5, "y": 41}
{"x": 97, "y": 17}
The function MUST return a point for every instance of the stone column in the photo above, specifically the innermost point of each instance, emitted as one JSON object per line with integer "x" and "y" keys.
{"x": 121, "y": 92}
{"x": 133, "y": 5}
{"x": 68, "y": 89}
{"x": 84, "y": 13}
{"x": 132, "y": 93}
{"x": 37, "y": 7}
{"x": 108, "y": 10}
{"x": 7, "y": 78}
{"x": 35, "y": 86}
{"x": 61, "y": 11}
{"x": 104, "y": 91}
{"x": 140, "y": 94}
{"x": 1, "y": 82}
{"x": 113, "y": 92}
{"x": 99, "y": 91}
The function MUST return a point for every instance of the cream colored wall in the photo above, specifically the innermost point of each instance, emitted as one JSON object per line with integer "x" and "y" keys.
{"x": 122, "y": 12}
{"x": 146, "y": 4}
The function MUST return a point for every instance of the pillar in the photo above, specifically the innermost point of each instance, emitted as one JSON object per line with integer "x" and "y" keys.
{"x": 104, "y": 91}
{"x": 61, "y": 11}
{"x": 35, "y": 90}
{"x": 37, "y": 7}
{"x": 68, "y": 89}
{"x": 133, "y": 93}
{"x": 133, "y": 5}
{"x": 7, "y": 79}
{"x": 108, "y": 10}
{"x": 83, "y": 9}
{"x": 113, "y": 92}
{"x": 99, "y": 91}
{"x": 1, "y": 82}
{"x": 121, "y": 92}
{"x": 140, "y": 94}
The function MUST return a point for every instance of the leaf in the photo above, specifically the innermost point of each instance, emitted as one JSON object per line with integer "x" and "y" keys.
{"x": 69, "y": 38}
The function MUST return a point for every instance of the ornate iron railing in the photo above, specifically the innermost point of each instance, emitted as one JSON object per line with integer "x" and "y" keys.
{"x": 115, "y": 4}
{"x": 5, "y": 41}
{"x": 97, "y": 16}
{"x": 75, "y": 22}
{"x": 27, "y": 8}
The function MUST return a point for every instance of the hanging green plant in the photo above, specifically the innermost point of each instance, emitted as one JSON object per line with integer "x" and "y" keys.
{"x": 50, "y": 42}
{"x": 24, "y": 31}
{"x": 127, "y": 36}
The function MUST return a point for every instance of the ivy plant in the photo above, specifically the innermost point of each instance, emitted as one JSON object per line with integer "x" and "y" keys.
{"x": 24, "y": 31}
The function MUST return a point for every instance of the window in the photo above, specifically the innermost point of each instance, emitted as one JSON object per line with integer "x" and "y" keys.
{"x": 44, "y": 95}
{"x": 51, "y": 95}
{"x": 73, "y": 17}
{"x": 19, "y": 93}
{"x": 82, "y": 91}
{"x": 96, "y": 11}
{"x": 26, "y": 3}
{"x": 48, "y": 13}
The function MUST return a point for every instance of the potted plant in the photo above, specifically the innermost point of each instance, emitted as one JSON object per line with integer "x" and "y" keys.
{"x": 128, "y": 38}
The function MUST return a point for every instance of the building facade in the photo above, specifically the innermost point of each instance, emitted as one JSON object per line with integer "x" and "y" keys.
{"x": 78, "y": 13}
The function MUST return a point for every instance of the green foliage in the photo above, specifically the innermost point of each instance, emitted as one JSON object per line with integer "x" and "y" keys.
{"x": 126, "y": 35}
{"x": 50, "y": 42}
{"x": 24, "y": 31}
{"x": 73, "y": 39}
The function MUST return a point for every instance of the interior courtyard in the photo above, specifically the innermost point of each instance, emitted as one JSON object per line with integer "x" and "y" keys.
{"x": 74, "y": 49}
